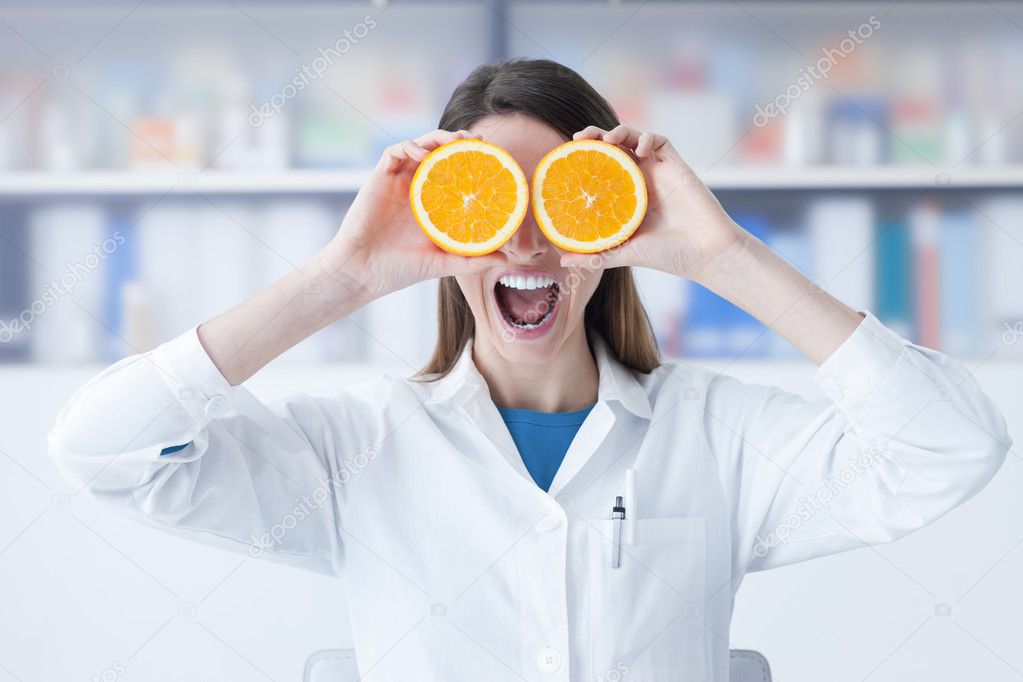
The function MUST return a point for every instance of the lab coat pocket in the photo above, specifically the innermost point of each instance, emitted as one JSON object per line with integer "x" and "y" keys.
{"x": 648, "y": 614}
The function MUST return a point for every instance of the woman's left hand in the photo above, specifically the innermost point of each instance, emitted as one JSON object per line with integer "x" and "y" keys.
{"x": 685, "y": 228}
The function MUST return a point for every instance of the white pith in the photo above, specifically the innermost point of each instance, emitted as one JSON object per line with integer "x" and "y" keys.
{"x": 514, "y": 218}
{"x": 544, "y": 220}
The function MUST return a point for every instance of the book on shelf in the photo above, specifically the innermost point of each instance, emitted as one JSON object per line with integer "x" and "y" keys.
{"x": 290, "y": 232}
{"x": 123, "y": 302}
{"x": 168, "y": 269}
{"x": 15, "y": 303}
{"x": 893, "y": 257}
{"x": 924, "y": 222}
{"x": 1002, "y": 218}
{"x": 961, "y": 285}
{"x": 663, "y": 297}
{"x": 69, "y": 249}
{"x": 841, "y": 230}
{"x": 715, "y": 327}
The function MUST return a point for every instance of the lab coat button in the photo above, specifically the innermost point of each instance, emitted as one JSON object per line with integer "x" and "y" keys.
{"x": 548, "y": 660}
{"x": 551, "y": 521}
{"x": 216, "y": 406}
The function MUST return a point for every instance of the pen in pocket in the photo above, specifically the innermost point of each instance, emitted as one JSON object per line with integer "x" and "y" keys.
{"x": 617, "y": 516}
{"x": 630, "y": 502}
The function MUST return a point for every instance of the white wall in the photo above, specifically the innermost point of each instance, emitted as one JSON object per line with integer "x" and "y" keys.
{"x": 85, "y": 594}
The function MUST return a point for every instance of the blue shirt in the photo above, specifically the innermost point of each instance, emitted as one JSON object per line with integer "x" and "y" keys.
{"x": 542, "y": 439}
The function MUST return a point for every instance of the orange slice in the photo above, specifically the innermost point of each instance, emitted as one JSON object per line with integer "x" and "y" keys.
{"x": 588, "y": 196}
{"x": 469, "y": 197}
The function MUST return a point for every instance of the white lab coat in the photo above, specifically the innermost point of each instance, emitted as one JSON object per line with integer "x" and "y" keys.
{"x": 457, "y": 567}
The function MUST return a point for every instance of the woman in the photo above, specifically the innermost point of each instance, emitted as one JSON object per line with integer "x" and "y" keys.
{"x": 468, "y": 508}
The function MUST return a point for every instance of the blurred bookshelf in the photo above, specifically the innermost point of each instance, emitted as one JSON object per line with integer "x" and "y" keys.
{"x": 171, "y": 158}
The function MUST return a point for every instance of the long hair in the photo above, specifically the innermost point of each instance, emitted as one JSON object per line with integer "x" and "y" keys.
{"x": 562, "y": 99}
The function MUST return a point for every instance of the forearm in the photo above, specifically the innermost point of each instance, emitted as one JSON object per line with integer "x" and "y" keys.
{"x": 760, "y": 282}
{"x": 247, "y": 337}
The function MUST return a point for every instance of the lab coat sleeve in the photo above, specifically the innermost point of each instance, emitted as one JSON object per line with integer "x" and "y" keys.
{"x": 269, "y": 481}
{"x": 904, "y": 436}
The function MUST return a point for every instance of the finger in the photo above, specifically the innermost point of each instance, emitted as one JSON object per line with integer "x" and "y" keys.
{"x": 644, "y": 145}
{"x": 651, "y": 143}
{"x": 589, "y": 133}
{"x": 623, "y": 135}
{"x": 437, "y": 138}
{"x": 452, "y": 264}
{"x": 397, "y": 155}
{"x": 413, "y": 150}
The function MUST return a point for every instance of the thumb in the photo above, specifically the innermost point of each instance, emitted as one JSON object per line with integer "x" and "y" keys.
{"x": 614, "y": 257}
{"x": 454, "y": 264}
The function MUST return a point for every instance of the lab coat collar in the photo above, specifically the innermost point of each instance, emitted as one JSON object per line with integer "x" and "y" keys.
{"x": 463, "y": 379}
{"x": 466, "y": 389}
{"x": 616, "y": 382}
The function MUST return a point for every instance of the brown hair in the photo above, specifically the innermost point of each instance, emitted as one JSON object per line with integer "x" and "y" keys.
{"x": 561, "y": 98}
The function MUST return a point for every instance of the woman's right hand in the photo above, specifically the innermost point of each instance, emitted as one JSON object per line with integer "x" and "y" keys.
{"x": 379, "y": 249}
{"x": 380, "y": 245}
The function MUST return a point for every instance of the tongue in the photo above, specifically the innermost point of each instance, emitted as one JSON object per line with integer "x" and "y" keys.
{"x": 524, "y": 305}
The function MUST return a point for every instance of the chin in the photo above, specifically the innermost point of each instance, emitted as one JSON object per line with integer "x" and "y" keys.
{"x": 539, "y": 350}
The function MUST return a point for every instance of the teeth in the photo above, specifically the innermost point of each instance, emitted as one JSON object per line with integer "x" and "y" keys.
{"x": 530, "y": 282}
{"x": 538, "y": 323}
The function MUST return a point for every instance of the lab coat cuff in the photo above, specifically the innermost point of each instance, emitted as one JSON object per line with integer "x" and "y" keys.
{"x": 861, "y": 363}
{"x": 191, "y": 376}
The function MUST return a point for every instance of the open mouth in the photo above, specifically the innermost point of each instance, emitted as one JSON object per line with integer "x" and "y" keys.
{"x": 527, "y": 301}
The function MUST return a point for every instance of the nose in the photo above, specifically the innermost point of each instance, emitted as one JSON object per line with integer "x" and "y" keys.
{"x": 528, "y": 243}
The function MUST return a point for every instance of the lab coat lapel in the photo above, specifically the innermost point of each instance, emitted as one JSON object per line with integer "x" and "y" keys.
{"x": 466, "y": 390}
{"x": 587, "y": 440}
{"x": 616, "y": 384}
{"x": 480, "y": 409}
